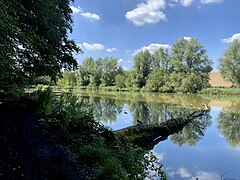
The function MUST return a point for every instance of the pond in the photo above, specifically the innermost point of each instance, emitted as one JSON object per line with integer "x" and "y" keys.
{"x": 212, "y": 154}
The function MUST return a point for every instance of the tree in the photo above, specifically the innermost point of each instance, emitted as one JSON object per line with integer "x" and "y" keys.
{"x": 230, "y": 63}
{"x": 109, "y": 71}
{"x": 156, "y": 80}
{"x": 34, "y": 40}
{"x": 86, "y": 71}
{"x": 120, "y": 80}
{"x": 68, "y": 78}
{"x": 142, "y": 67}
{"x": 161, "y": 60}
{"x": 189, "y": 58}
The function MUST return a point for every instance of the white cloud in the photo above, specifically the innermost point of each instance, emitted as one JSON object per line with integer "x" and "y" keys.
{"x": 92, "y": 47}
{"x": 187, "y": 38}
{"x": 111, "y": 49}
{"x": 210, "y": 1}
{"x": 96, "y": 46}
{"x": 206, "y": 176}
{"x": 147, "y": 13}
{"x": 231, "y": 39}
{"x": 183, "y": 173}
{"x": 186, "y": 3}
{"x": 76, "y": 10}
{"x": 91, "y": 16}
{"x": 120, "y": 60}
{"x": 152, "y": 48}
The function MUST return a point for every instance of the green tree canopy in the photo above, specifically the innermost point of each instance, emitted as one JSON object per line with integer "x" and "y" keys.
{"x": 230, "y": 63}
{"x": 190, "y": 58}
{"x": 34, "y": 40}
{"x": 142, "y": 67}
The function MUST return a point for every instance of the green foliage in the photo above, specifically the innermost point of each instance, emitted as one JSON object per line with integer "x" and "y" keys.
{"x": 32, "y": 43}
{"x": 192, "y": 83}
{"x": 156, "y": 80}
{"x": 120, "y": 80}
{"x": 186, "y": 69}
{"x": 230, "y": 63}
{"x": 100, "y": 72}
{"x": 142, "y": 66}
{"x": 75, "y": 127}
{"x": 189, "y": 57}
{"x": 68, "y": 78}
{"x": 221, "y": 91}
{"x": 161, "y": 60}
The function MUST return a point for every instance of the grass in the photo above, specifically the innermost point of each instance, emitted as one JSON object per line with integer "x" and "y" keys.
{"x": 221, "y": 91}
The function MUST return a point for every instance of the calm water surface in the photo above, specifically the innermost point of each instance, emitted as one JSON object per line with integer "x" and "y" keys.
{"x": 188, "y": 154}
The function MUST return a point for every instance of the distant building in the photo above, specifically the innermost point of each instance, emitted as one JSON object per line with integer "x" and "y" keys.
{"x": 216, "y": 80}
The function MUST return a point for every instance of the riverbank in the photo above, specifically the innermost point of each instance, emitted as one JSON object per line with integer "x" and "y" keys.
{"x": 211, "y": 90}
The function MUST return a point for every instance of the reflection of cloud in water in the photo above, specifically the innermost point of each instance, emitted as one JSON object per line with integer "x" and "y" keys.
{"x": 183, "y": 172}
{"x": 202, "y": 175}
{"x": 153, "y": 174}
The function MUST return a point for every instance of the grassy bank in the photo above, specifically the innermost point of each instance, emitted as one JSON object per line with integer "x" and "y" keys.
{"x": 214, "y": 91}
{"x": 91, "y": 142}
{"x": 221, "y": 91}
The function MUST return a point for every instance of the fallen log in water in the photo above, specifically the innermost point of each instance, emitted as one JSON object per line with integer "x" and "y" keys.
{"x": 146, "y": 136}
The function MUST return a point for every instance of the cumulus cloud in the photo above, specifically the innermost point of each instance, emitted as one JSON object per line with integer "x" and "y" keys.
{"x": 152, "y": 48}
{"x": 76, "y": 10}
{"x": 187, "y": 38}
{"x": 91, "y": 16}
{"x": 111, "y": 49}
{"x": 232, "y": 38}
{"x": 210, "y": 1}
{"x": 206, "y": 176}
{"x": 88, "y": 15}
{"x": 92, "y": 47}
{"x": 95, "y": 47}
{"x": 147, "y": 13}
{"x": 183, "y": 173}
{"x": 186, "y": 3}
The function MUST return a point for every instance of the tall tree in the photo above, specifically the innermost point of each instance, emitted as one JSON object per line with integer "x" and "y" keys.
{"x": 34, "y": 40}
{"x": 190, "y": 58}
{"x": 161, "y": 60}
{"x": 230, "y": 63}
{"x": 109, "y": 71}
{"x": 142, "y": 67}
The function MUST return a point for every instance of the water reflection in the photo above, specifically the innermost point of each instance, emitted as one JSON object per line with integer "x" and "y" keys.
{"x": 187, "y": 154}
{"x": 229, "y": 127}
{"x": 107, "y": 109}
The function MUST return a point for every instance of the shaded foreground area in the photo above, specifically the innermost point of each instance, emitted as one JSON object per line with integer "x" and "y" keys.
{"x": 26, "y": 153}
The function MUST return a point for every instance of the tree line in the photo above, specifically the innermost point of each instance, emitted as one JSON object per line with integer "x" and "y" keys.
{"x": 185, "y": 69}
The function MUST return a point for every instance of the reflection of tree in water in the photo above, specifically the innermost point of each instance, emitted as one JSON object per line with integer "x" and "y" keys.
{"x": 229, "y": 127}
{"x": 140, "y": 111}
{"x": 103, "y": 109}
{"x": 190, "y": 134}
{"x": 149, "y": 113}
{"x": 193, "y": 131}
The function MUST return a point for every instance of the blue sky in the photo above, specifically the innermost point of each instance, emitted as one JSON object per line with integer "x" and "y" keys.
{"x": 120, "y": 28}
